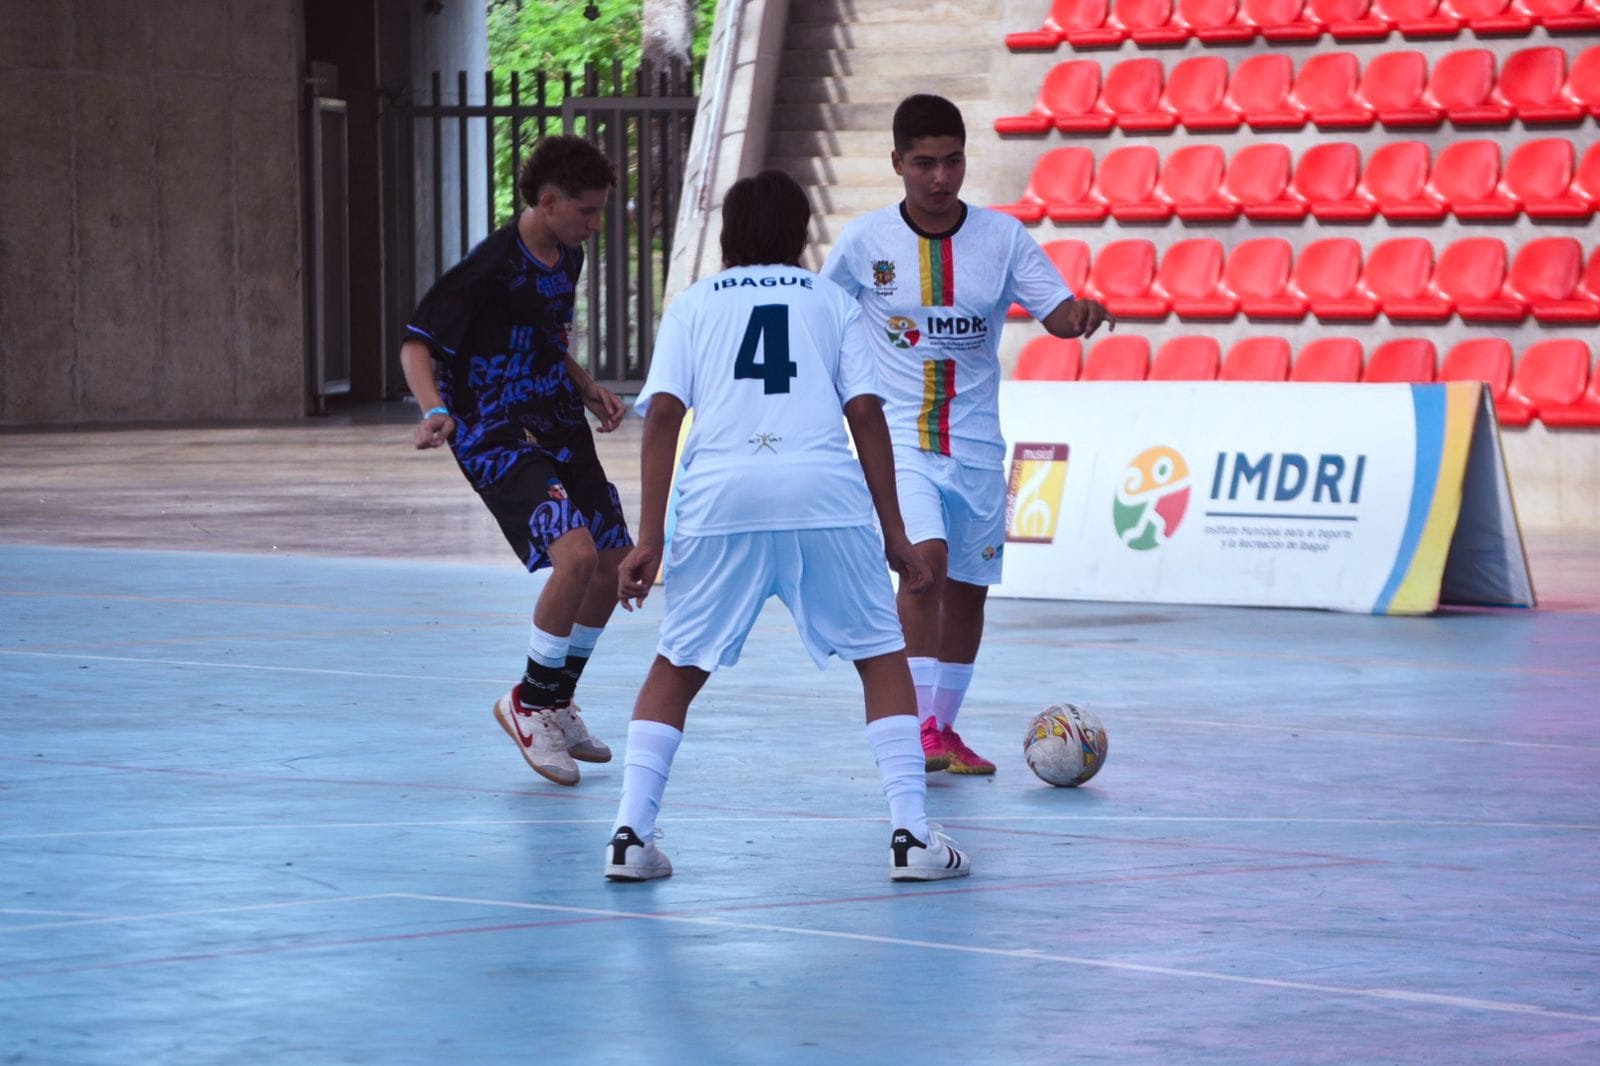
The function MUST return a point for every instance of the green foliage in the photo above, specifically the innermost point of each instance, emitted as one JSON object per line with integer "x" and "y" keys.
{"x": 553, "y": 35}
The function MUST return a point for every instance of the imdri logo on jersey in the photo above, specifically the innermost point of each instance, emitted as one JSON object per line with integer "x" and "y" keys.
{"x": 958, "y": 326}
{"x": 903, "y": 332}
{"x": 1033, "y": 492}
{"x": 1152, "y": 498}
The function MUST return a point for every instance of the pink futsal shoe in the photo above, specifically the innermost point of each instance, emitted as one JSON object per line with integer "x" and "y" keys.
{"x": 912, "y": 860}
{"x": 934, "y": 757}
{"x": 581, "y": 744}
{"x": 963, "y": 760}
{"x": 539, "y": 737}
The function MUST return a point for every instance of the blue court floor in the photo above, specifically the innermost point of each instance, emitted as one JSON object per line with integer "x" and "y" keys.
{"x": 255, "y": 809}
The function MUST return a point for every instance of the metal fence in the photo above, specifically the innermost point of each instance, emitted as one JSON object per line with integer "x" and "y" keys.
{"x": 460, "y": 160}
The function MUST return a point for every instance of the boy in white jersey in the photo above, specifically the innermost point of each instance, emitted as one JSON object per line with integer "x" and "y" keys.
{"x": 770, "y": 502}
{"x": 934, "y": 278}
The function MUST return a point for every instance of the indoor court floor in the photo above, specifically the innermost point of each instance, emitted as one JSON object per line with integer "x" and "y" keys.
{"x": 254, "y": 807}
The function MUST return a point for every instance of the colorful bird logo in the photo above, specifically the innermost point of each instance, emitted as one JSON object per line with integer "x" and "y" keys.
{"x": 903, "y": 332}
{"x": 1152, "y": 498}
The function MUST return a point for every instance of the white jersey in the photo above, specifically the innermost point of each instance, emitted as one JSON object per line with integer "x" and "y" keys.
{"x": 767, "y": 356}
{"x": 934, "y": 307}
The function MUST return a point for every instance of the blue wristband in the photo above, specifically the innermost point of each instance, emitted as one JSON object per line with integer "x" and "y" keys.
{"x": 435, "y": 411}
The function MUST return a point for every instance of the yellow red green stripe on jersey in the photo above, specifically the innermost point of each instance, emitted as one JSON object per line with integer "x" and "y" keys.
{"x": 938, "y": 260}
{"x": 938, "y": 390}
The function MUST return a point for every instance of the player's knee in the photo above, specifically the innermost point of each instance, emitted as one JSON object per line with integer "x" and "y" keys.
{"x": 575, "y": 553}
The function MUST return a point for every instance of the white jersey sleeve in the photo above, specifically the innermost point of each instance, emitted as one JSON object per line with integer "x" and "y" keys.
{"x": 671, "y": 363}
{"x": 857, "y": 374}
{"x": 837, "y": 267}
{"x": 1033, "y": 280}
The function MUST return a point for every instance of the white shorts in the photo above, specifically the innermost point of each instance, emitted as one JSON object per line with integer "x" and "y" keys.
{"x": 964, "y": 506}
{"x": 835, "y": 583}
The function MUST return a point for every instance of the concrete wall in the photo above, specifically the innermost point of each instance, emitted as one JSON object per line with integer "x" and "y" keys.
{"x": 453, "y": 40}
{"x": 150, "y": 210}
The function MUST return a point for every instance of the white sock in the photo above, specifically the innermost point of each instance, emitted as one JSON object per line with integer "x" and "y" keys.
{"x": 583, "y": 640}
{"x": 651, "y": 746}
{"x": 950, "y": 688}
{"x": 897, "y": 746}
{"x": 923, "y": 673}
{"x": 547, "y": 649}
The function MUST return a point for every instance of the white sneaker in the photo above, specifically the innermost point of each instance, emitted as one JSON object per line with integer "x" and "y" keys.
{"x": 539, "y": 738}
{"x": 912, "y": 860}
{"x": 581, "y": 744}
{"x": 630, "y": 859}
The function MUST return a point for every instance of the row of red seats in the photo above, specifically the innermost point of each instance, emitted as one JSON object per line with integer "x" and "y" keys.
{"x": 1552, "y": 381}
{"x": 1100, "y": 23}
{"x": 1331, "y": 90}
{"x": 1262, "y": 278}
{"x": 1401, "y": 181}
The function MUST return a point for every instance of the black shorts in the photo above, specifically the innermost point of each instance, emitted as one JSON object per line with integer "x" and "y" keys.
{"x": 540, "y": 500}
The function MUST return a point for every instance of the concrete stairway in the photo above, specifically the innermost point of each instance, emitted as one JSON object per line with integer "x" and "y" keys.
{"x": 846, "y": 65}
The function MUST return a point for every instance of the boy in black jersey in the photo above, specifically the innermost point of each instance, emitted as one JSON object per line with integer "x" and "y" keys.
{"x": 486, "y": 357}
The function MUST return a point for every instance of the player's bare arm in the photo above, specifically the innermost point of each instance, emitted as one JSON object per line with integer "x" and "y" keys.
{"x": 601, "y": 401}
{"x": 1079, "y": 318}
{"x": 871, "y": 433}
{"x": 657, "y": 453}
{"x": 416, "y": 360}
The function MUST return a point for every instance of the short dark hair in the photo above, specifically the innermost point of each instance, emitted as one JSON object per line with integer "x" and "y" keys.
{"x": 571, "y": 164}
{"x": 764, "y": 220}
{"x": 926, "y": 115}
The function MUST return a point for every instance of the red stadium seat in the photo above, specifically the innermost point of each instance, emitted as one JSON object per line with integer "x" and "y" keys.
{"x": 1256, "y": 359}
{"x": 1106, "y": 33}
{"x": 1258, "y": 178}
{"x": 1190, "y": 278}
{"x": 1549, "y": 274}
{"x": 1471, "y": 273}
{"x": 1533, "y": 82}
{"x": 1197, "y": 91}
{"x": 1122, "y": 277}
{"x": 1049, "y": 358}
{"x": 1259, "y": 273}
{"x": 1132, "y": 94}
{"x": 1396, "y": 179}
{"x": 1187, "y": 359}
{"x": 1068, "y": 100}
{"x": 1191, "y": 180}
{"x": 1118, "y": 359}
{"x": 1065, "y": 16}
{"x": 1326, "y": 87}
{"x": 1353, "y": 20}
{"x": 1539, "y": 175}
{"x": 1419, "y": 18}
{"x": 1490, "y": 16}
{"x": 1282, "y": 20}
{"x": 1215, "y": 21}
{"x": 1485, "y": 359}
{"x": 1126, "y": 184}
{"x": 1399, "y": 275}
{"x": 1462, "y": 86}
{"x": 1392, "y": 86}
{"x": 1466, "y": 176}
{"x": 1584, "y": 413}
{"x": 1260, "y": 90}
{"x": 1150, "y": 22}
{"x": 1550, "y": 375}
{"x": 1061, "y": 176}
{"x": 1328, "y": 274}
{"x": 1335, "y": 359}
{"x": 1326, "y": 177}
{"x": 1583, "y": 80}
{"x": 1071, "y": 259}
{"x": 1564, "y": 16}
{"x": 1408, "y": 359}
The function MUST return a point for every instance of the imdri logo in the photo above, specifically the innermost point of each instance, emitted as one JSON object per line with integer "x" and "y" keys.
{"x": 1152, "y": 498}
{"x": 1033, "y": 492}
{"x": 903, "y": 332}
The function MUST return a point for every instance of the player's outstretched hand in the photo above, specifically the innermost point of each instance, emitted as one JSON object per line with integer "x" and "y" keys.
{"x": 605, "y": 405}
{"x": 636, "y": 574}
{"x": 434, "y": 431}
{"x": 1091, "y": 315}
{"x": 904, "y": 560}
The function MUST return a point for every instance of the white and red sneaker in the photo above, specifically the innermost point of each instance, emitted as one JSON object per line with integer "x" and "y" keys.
{"x": 581, "y": 744}
{"x": 539, "y": 737}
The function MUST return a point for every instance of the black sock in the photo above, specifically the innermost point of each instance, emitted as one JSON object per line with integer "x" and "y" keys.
{"x": 571, "y": 670}
{"x": 540, "y": 686}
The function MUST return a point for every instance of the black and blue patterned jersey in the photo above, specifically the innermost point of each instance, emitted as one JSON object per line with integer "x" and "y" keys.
{"x": 498, "y": 323}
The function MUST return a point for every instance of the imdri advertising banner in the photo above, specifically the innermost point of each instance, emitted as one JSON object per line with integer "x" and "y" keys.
{"x": 1347, "y": 497}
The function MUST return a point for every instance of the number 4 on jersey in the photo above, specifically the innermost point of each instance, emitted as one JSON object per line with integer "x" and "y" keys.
{"x": 769, "y": 331}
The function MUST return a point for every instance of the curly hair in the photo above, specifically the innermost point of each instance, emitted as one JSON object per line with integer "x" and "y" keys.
{"x": 764, "y": 220}
{"x": 571, "y": 164}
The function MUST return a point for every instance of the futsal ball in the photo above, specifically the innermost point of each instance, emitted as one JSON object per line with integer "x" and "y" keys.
{"x": 1065, "y": 745}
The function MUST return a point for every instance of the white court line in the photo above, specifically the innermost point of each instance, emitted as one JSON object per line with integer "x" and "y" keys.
{"x": 788, "y": 819}
{"x": 1384, "y": 735}
{"x": 1033, "y": 955}
{"x": 156, "y": 916}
